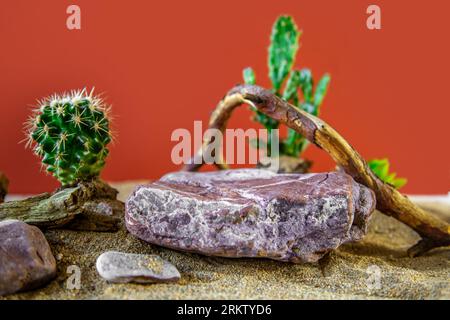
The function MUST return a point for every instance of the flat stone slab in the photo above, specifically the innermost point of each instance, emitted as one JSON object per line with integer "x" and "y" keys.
{"x": 26, "y": 260}
{"x": 122, "y": 267}
{"x": 251, "y": 213}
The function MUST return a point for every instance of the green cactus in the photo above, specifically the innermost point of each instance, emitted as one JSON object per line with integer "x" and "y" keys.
{"x": 381, "y": 169}
{"x": 287, "y": 83}
{"x": 70, "y": 133}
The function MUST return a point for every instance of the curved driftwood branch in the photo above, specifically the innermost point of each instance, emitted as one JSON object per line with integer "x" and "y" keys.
{"x": 434, "y": 232}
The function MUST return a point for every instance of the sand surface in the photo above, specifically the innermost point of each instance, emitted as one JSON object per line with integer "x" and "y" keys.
{"x": 374, "y": 268}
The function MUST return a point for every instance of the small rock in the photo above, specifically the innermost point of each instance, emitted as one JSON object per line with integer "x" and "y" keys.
{"x": 251, "y": 213}
{"x": 122, "y": 267}
{"x": 102, "y": 215}
{"x": 26, "y": 260}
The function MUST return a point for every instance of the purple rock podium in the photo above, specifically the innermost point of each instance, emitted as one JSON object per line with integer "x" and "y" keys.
{"x": 251, "y": 213}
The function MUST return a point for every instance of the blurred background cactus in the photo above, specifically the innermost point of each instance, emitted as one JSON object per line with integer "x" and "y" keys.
{"x": 381, "y": 167}
{"x": 299, "y": 87}
{"x": 295, "y": 86}
{"x": 70, "y": 133}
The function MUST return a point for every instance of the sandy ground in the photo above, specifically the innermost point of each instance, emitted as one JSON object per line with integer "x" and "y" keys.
{"x": 375, "y": 268}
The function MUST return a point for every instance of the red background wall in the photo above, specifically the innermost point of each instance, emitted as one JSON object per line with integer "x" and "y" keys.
{"x": 164, "y": 64}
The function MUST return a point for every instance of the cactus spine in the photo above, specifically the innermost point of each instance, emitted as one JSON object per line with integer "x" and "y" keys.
{"x": 70, "y": 133}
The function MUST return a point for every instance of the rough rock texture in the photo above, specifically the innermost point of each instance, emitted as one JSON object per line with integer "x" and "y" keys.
{"x": 122, "y": 267}
{"x": 251, "y": 213}
{"x": 26, "y": 260}
{"x": 104, "y": 215}
{"x": 344, "y": 277}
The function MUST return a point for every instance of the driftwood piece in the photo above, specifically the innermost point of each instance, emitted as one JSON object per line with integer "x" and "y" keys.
{"x": 86, "y": 206}
{"x": 4, "y": 182}
{"x": 434, "y": 231}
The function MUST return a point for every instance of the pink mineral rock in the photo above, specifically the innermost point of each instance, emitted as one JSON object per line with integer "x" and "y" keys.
{"x": 251, "y": 213}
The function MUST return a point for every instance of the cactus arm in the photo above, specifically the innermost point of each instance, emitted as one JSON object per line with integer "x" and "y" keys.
{"x": 282, "y": 50}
